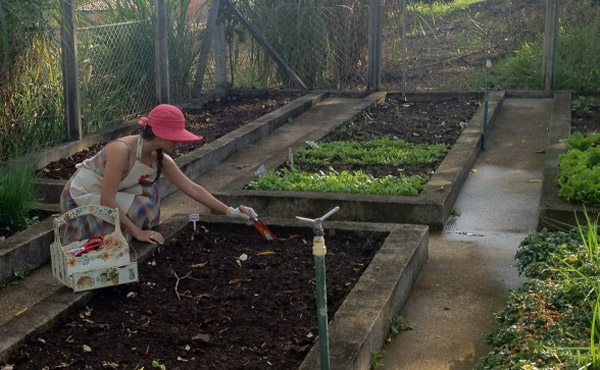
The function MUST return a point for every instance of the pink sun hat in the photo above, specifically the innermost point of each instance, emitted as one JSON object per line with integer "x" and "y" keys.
{"x": 168, "y": 123}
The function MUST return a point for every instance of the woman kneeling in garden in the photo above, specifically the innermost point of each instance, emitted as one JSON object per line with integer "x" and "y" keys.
{"x": 125, "y": 173}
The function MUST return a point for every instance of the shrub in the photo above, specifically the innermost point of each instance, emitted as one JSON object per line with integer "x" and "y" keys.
{"x": 17, "y": 198}
{"x": 579, "y": 177}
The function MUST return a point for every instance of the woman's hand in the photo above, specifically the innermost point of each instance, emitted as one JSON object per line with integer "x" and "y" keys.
{"x": 248, "y": 212}
{"x": 150, "y": 236}
{"x": 245, "y": 213}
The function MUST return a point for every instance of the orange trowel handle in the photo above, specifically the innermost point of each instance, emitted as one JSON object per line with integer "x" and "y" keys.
{"x": 263, "y": 229}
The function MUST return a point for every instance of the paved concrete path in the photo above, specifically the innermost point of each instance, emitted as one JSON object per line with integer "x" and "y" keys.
{"x": 471, "y": 263}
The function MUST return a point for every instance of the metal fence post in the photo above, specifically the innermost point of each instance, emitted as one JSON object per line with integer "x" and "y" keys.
{"x": 375, "y": 36}
{"x": 404, "y": 50}
{"x": 550, "y": 46}
{"x": 68, "y": 43}
{"x": 161, "y": 49}
{"x": 221, "y": 54}
{"x": 207, "y": 38}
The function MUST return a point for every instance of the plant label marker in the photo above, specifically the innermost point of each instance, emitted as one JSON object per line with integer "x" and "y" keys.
{"x": 194, "y": 217}
{"x": 291, "y": 157}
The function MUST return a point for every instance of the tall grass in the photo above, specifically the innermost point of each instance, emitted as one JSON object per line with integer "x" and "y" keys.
{"x": 578, "y": 57}
{"x": 17, "y": 198}
{"x": 184, "y": 46}
{"x": 31, "y": 112}
{"x": 583, "y": 271}
{"x": 116, "y": 59}
{"x": 438, "y": 8}
{"x": 323, "y": 41}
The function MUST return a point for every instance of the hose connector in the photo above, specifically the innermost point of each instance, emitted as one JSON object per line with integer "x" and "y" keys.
{"x": 319, "y": 249}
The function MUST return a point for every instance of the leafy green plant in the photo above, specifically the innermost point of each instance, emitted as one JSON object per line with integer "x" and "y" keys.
{"x": 579, "y": 177}
{"x": 333, "y": 182}
{"x": 19, "y": 273}
{"x": 383, "y": 150}
{"x": 553, "y": 320}
{"x": 377, "y": 151}
{"x": 157, "y": 364}
{"x": 577, "y": 64}
{"x": 17, "y": 198}
{"x": 398, "y": 324}
{"x": 376, "y": 359}
{"x": 580, "y": 142}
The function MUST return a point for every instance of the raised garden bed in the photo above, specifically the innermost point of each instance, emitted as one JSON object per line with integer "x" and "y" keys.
{"x": 236, "y": 122}
{"x": 424, "y": 118}
{"x": 211, "y": 120}
{"x": 233, "y": 312}
{"x": 555, "y": 211}
{"x": 27, "y": 249}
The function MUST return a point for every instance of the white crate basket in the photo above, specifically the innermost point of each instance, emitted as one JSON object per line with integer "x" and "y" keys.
{"x": 107, "y": 266}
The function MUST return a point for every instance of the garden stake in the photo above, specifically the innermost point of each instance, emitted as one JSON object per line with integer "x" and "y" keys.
{"x": 319, "y": 251}
{"x": 488, "y": 66}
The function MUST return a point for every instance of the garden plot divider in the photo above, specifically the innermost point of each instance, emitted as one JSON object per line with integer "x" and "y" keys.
{"x": 555, "y": 211}
{"x": 29, "y": 249}
{"x": 432, "y": 207}
{"x": 360, "y": 325}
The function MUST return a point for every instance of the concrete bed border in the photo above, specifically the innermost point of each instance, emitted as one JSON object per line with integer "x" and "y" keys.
{"x": 360, "y": 325}
{"x": 432, "y": 207}
{"x": 554, "y": 211}
{"x": 27, "y": 250}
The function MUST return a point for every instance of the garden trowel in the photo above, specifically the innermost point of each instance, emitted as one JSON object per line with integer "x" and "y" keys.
{"x": 263, "y": 229}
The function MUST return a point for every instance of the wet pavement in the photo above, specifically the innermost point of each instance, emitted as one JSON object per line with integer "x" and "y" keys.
{"x": 471, "y": 263}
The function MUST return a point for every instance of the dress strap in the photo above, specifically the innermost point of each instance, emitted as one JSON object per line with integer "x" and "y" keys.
{"x": 138, "y": 154}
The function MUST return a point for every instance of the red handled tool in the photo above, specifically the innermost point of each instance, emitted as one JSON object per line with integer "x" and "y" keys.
{"x": 263, "y": 229}
{"x": 93, "y": 243}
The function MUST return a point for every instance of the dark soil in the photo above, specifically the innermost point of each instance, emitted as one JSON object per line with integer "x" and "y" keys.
{"x": 587, "y": 120}
{"x": 221, "y": 313}
{"x": 431, "y": 122}
{"x": 212, "y": 121}
{"x": 7, "y": 229}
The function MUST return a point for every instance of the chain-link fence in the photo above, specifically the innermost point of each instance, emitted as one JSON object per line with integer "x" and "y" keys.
{"x": 578, "y": 46}
{"x": 326, "y": 46}
{"x": 116, "y": 72}
{"x": 426, "y": 45}
{"x": 31, "y": 109}
{"x": 447, "y": 50}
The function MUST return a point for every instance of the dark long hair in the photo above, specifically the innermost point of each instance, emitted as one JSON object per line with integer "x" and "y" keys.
{"x": 148, "y": 134}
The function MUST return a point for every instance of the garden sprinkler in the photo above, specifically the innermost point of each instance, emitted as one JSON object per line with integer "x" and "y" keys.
{"x": 319, "y": 251}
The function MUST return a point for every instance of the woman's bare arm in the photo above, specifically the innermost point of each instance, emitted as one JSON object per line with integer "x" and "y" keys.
{"x": 189, "y": 187}
{"x": 117, "y": 162}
